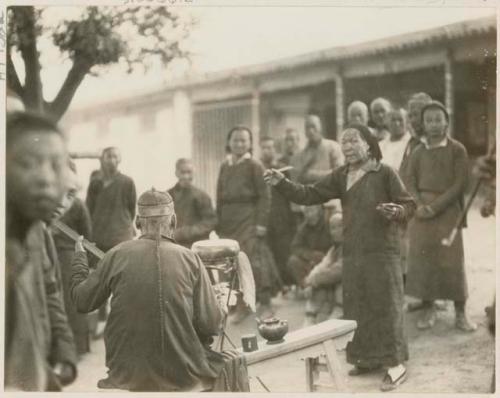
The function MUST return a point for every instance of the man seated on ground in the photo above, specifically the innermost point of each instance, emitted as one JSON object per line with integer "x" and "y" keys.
{"x": 323, "y": 284}
{"x": 309, "y": 245}
{"x": 196, "y": 216}
{"x": 164, "y": 311}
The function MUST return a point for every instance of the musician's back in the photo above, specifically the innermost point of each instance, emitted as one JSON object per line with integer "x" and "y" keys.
{"x": 162, "y": 310}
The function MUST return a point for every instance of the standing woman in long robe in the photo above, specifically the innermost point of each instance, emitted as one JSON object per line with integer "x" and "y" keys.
{"x": 371, "y": 276}
{"x": 243, "y": 207}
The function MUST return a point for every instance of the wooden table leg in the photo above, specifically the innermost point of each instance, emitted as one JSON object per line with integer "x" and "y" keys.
{"x": 310, "y": 362}
{"x": 334, "y": 365}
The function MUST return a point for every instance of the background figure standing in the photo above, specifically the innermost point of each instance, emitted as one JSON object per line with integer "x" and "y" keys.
{"x": 111, "y": 200}
{"x": 437, "y": 180}
{"x": 324, "y": 282}
{"x": 415, "y": 104}
{"x": 72, "y": 212}
{"x": 310, "y": 244}
{"x": 371, "y": 275}
{"x": 290, "y": 146}
{"x": 319, "y": 157}
{"x": 195, "y": 214}
{"x": 393, "y": 148}
{"x": 39, "y": 348}
{"x": 379, "y": 108}
{"x": 281, "y": 225}
{"x": 357, "y": 113}
{"x": 243, "y": 207}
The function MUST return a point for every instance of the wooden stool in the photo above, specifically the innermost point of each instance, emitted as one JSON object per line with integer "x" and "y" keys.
{"x": 327, "y": 362}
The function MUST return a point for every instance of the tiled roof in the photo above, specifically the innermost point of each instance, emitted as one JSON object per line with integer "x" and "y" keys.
{"x": 405, "y": 41}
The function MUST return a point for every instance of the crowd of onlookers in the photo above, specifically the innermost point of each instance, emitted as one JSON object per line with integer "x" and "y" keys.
{"x": 350, "y": 227}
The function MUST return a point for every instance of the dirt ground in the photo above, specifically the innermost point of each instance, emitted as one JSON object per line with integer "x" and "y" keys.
{"x": 442, "y": 360}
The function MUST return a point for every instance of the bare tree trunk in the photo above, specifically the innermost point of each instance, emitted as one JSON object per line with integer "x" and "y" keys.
{"x": 33, "y": 94}
{"x": 13, "y": 81}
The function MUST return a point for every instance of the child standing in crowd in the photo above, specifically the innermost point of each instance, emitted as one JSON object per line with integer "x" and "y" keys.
{"x": 243, "y": 206}
{"x": 437, "y": 180}
{"x": 374, "y": 200}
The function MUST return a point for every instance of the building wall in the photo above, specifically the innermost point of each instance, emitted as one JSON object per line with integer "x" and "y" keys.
{"x": 150, "y": 142}
{"x": 211, "y": 123}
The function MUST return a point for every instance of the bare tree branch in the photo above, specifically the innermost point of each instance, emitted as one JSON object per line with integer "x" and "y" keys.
{"x": 74, "y": 78}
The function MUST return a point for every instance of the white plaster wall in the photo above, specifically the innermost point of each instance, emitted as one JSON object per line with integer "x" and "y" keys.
{"x": 148, "y": 154}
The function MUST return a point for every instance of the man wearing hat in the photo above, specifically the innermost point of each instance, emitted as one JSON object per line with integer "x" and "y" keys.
{"x": 163, "y": 310}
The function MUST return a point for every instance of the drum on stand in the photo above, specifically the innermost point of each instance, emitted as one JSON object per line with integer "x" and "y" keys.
{"x": 220, "y": 258}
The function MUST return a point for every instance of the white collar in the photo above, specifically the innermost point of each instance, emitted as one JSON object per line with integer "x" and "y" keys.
{"x": 440, "y": 144}
{"x": 404, "y": 139}
{"x": 229, "y": 159}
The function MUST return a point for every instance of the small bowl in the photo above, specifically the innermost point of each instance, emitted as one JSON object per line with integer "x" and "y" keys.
{"x": 273, "y": 330}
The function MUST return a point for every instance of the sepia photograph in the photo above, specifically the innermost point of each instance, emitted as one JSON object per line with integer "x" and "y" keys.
{"x": 249, "y": 197}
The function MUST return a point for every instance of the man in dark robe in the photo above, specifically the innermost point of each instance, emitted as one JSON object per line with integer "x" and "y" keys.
{"x": 281, "y": 228}
{"x": 111, "y": 200}
{"x": 164, "y": 310}
{"x": 196, "y": 216}
{"x": 39, "y": 349}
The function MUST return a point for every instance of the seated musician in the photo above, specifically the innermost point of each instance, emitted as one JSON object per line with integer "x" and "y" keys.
{"x": 163, "y": 312}
{"x": 324, "y": 282}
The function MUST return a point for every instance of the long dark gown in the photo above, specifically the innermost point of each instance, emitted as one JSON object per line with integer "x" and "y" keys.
{"x": 243, "y": 202}
{"x": 281, "y": 228}
{"x": 371, "y": 276}
{"x": 438, "y": 178}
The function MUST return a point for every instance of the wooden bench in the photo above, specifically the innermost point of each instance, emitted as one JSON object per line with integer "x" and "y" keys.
{"x": 273, "y": 365}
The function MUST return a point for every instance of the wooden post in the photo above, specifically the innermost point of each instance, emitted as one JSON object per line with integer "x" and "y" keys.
{"x": 339, "y": 104}
{"x": 255, "y": 105}
{"x": 449, "y": 89}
